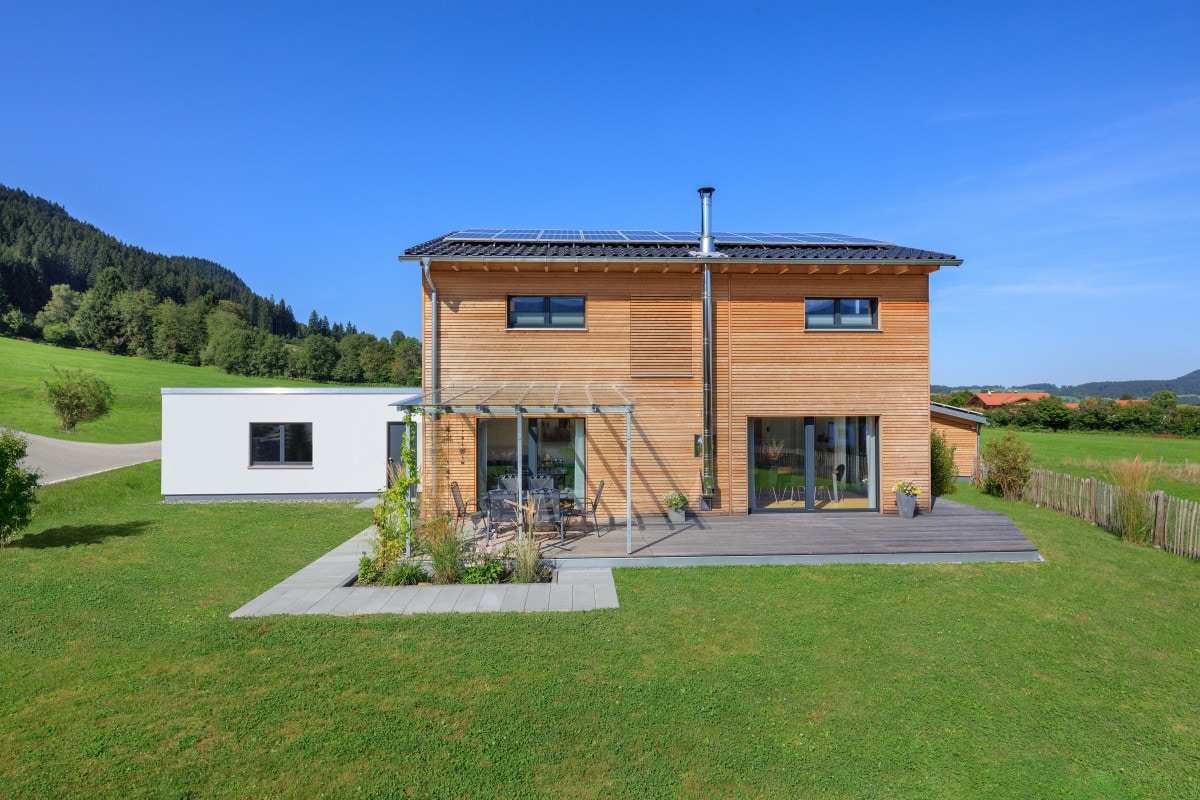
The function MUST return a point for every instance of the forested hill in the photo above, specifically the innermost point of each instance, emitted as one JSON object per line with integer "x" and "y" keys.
{"x": 41, "y": 245}
{"x": 1185, "y": 386}
{"x": 70, "y": 284}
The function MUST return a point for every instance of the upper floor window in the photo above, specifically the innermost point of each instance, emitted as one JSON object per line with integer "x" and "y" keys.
{"x": 281, "y": 444}
{"x": 545, "y": 312}
{"x": 840, "y": 312}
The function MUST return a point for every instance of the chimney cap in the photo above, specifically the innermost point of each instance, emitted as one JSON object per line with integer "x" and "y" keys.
{"x": 706, "y": 190}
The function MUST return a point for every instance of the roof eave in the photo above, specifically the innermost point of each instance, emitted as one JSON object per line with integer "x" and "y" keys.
{"x": 907, "y": 262}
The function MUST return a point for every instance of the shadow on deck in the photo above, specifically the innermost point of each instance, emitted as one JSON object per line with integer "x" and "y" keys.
{"x": 953, "y": 532}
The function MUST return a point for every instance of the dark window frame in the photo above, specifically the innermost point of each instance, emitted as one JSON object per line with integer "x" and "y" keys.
{"x": 837, "y": 324}
{"x": 547, "y": 315}
{"x": 282, "y": 432}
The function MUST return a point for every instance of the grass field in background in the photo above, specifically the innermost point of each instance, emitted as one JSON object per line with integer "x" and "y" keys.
{"x": 137, "y": 413}
{"x": 1088, "y": 454}
{"x": 124, "y": 677}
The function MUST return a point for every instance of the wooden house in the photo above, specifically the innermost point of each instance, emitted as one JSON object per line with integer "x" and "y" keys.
{"x": 962, "y": 428}
{"x": 751, "y": 372}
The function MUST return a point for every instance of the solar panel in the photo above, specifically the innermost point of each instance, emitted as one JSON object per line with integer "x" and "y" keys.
{"x": 652, "y": 237}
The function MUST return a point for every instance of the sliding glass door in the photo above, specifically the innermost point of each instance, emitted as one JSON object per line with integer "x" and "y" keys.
{"x": 814, "y": 463}
{"x": 552, "y": 445}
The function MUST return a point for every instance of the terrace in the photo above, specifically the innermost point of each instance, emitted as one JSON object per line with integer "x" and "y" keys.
{"x": 954, "y": 532}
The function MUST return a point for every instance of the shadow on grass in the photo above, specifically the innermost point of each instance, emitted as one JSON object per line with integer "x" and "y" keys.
{"x": 71, "y": 535}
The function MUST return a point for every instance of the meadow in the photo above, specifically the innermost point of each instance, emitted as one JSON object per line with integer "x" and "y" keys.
{"x": 137, "y": 411}
{"x": 1176, "y": 461}
{"x": 124, "y": 677}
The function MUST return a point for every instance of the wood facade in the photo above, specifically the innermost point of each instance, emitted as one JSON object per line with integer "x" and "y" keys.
{"x": 765, "y": 365}
{"x": 963, "y": 436}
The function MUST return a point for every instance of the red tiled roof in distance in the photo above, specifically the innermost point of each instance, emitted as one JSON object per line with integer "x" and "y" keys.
{"x": 998, "y": 399}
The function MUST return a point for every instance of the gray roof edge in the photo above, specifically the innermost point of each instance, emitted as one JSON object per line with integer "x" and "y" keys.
{"x": 404, "y": 390}
{"x": 904, "y": 262}
{"x": 955, "y": 411}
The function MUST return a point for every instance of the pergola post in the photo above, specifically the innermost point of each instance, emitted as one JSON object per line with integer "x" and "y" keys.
{"x": 520, "y": 476}
{"x": 628, "y": 482}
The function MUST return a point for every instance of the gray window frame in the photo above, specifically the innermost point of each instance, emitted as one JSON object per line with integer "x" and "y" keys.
{"x": 837, "y": 315}
{"x": 547, "y": 317}
{"x": 282, "y": 463}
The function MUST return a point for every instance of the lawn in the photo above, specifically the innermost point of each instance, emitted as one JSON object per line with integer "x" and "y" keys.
{"x": 1088, "y": 454}
{"x": 137, "y": 412}
{"x": 123, "y": 676}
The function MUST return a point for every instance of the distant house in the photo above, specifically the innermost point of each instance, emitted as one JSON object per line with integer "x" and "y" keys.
{"x": 992, "y": 400}
{"x": 962, "y": 428}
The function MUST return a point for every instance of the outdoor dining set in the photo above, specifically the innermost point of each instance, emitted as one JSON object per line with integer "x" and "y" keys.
{"x": 516, "y": 495}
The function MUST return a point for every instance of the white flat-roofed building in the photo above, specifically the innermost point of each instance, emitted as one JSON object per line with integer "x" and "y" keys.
{"x": 280, "y": 443}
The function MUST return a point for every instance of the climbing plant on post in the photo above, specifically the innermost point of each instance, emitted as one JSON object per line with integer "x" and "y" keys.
{"x": 398, "y": 505}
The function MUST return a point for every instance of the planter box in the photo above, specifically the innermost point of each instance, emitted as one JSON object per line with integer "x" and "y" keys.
{"x": 907, "y": 504}
{"x": 676, "y": 515}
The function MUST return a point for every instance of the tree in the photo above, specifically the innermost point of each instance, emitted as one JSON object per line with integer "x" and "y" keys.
{"x": 76, "y": 396}
{"x": 941, "y": 465}
{"x": 318, "y": 358}
{"x": 1052, "y": 413}
{"x": 98, "y": 322}
{"x": 17, "y": 496}
{"x": 64, "y": 303}
{"x": 1164, "y": 400}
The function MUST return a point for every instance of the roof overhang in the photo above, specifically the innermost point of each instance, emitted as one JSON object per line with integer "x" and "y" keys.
{"x": 958, "y": 413}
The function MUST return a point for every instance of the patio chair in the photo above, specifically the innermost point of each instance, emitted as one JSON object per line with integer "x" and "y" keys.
{"x": 462, "y": 508}
{"x": 501, "y": 509}
{"x": 541, "y": 482}
{"x": 509, "y": 483}
{"x": 588, "y": 508}
{"x": 549, "y": 509}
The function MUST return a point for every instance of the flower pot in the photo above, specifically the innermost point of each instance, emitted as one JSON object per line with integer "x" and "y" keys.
{"x": 907, "y": 504}
{"x": 676, "y": 515}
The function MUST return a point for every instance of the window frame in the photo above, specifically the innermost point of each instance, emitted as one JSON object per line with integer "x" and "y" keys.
{"x": 547, "y": 316}
{"x": 282, "y": 463}
{"x": 837, "y": 315}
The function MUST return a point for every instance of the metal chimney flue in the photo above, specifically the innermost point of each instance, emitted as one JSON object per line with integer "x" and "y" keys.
{"x": 706, "y": 237}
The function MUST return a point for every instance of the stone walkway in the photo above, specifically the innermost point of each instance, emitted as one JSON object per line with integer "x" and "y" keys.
{"x": 322, "y": 588}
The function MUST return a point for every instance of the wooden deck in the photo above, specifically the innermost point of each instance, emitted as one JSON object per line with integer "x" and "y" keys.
{"x": 953, "y": 532}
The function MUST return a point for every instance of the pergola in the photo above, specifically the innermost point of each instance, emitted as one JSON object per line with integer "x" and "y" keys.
{"x": 519, "y": 399}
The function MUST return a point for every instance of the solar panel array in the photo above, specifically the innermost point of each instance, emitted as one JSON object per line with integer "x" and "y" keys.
{"x": 558, "y": 235}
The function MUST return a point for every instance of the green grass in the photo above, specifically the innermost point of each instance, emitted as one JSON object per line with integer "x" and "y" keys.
{"x": 123, "y": 676}
{"x": 1088, "y": 454}
{"x": 137, "y": 412}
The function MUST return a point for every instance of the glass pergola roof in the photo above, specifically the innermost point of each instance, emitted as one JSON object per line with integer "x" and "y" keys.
{"x": 527, "y": 398}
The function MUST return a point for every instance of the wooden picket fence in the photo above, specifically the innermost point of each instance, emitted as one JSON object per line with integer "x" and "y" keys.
{"x": 1176, "y": 522}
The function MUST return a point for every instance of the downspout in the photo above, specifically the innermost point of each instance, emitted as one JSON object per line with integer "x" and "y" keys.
{"x": 434, "y": 394}
{"x": 708, "y": 480}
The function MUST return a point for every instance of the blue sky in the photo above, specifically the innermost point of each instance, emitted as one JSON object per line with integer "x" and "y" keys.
{"x": 1053, "y": 146}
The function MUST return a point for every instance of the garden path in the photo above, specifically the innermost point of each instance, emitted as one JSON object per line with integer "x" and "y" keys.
{"x": 60, "y": 460}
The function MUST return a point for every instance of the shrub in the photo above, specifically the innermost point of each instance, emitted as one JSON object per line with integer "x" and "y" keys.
{"x": 527, "y": 560}
{"x": 484, "y": 564}
{"x": 675, "y": 500}
{"x": 441, "y": 540}
{"x": 368, "y": 570}
{"x": 403, "y": 573}
{"x": 1007, "y": 459}
{"x": 76, "y": 396}
{"x": 17, "y": 484}
{"x": 942, "y": 468}
{"x": 1132, "y": 481}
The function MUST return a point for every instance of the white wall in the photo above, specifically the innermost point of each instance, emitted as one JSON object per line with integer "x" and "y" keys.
{"x": 206, "y": 440}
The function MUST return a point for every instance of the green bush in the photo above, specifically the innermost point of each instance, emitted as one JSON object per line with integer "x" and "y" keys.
{"x": 1007, "y": 461}
{"x": 942, "y": 468}
{"x": 76, "y": 396}
{"x": 368, "y": 570}
{"x": 17, "y": 484}
{"x": 440, "y": 539}
{"x": 403, "y": 573}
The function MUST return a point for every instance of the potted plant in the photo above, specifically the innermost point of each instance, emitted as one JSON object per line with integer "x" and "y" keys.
{"x": 906, "y": 498}
{"x": 675, "y": 503}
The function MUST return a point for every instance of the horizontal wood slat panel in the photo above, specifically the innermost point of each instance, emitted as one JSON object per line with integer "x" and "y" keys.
{"x": 660, "y": 337}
